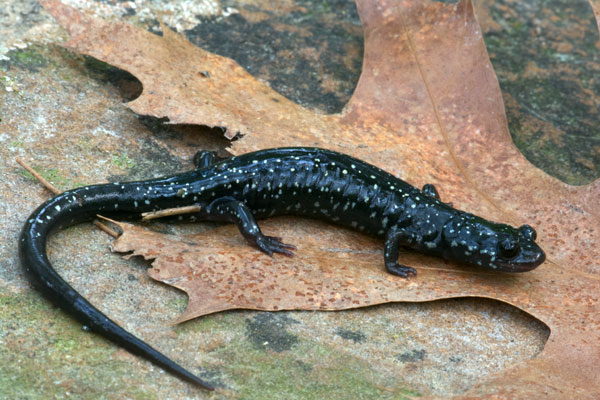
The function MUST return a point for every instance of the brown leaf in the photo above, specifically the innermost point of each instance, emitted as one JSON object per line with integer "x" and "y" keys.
{"x": 219, "y": 271}
{"x": 428, "y": 109}
{"x": 596, "y": 7}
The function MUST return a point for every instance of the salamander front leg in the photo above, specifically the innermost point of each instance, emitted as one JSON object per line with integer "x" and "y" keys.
{"x": 231, "y": 210}
{"x": 205, "y": 158}
{"x": 395, "y": 238}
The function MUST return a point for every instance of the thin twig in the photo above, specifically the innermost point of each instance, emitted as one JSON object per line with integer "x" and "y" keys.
{"x": 106, "y": 229}
{"x": 37, "y": 176}
{"x": 170, "y": 212}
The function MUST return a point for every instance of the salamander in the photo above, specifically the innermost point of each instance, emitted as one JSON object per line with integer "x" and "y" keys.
{"x": 308, "y": 182}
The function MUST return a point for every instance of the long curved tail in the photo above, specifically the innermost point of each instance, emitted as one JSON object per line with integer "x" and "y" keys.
{"x": 67, "y": 208}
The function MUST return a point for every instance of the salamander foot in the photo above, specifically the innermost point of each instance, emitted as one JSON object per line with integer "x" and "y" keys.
{"x": 272, "y": 244}
{"x": 401, "y": 270}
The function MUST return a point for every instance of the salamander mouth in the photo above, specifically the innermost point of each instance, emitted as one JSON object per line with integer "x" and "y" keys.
{"x": 526, "y": 261}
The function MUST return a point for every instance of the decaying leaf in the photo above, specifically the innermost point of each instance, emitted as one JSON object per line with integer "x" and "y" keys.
{"x": 219, "y": 271}
{"x": 428, "y": 109}
{"x": 596, "y": 7}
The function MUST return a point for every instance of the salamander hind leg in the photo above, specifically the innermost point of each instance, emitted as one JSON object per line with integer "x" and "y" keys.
{"x": 430, "y": 190}
{"x": 395, "y": 238}
{"x": 232, "y": 210}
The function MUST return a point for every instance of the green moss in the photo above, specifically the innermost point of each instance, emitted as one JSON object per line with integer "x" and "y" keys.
{"x": 32, "y": 58}
{"x": 52, "y": 175}
{"x": 27, "y": 175}
{"x": 35, "y": 335}
{"x": 178, "y": 303}
{"x": 123, "y": 161}
{"x": 28, "y": 56}
{"x": 308, "y": 370}
{"x": 55, "y": 177}
{"x": 6, "y": 82}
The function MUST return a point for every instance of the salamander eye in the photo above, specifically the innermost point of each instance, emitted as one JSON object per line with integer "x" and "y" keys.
{"x": 509, "y": 247}
{"x": 528, "y": 232}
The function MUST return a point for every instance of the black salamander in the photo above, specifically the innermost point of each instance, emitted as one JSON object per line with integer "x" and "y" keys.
{"x": 308, "y": 182}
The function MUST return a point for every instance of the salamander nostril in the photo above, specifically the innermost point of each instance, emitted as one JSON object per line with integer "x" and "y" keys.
{"x": 541, "y": 257}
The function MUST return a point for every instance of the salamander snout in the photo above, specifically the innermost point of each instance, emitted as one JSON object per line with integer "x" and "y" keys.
{"x": 519, "y": 253}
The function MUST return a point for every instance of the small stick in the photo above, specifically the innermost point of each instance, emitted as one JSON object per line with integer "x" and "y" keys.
{"x": 170, "y": 212}
{"x": 37, "y": 176}
{"x": 105, "y": 228}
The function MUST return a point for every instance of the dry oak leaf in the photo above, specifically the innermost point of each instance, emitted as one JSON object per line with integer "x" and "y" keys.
{"x": 428, "y": 109}
{"x": 596, "y": 7}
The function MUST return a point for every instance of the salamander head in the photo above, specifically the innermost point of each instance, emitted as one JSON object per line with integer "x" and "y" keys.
{"x": 501, "y": 247}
